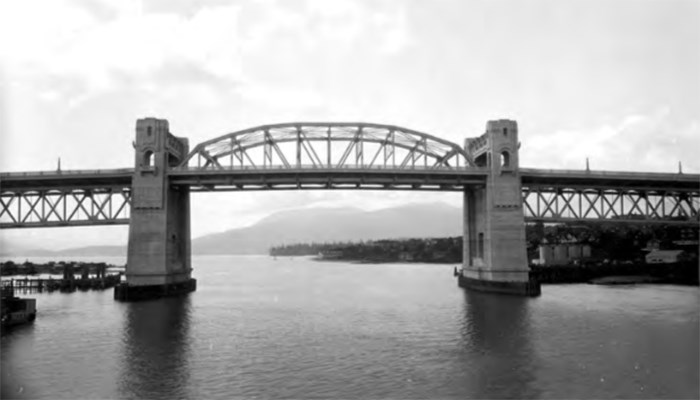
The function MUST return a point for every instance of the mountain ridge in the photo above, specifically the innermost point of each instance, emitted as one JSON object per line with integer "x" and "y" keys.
{"x": 306, "y": 225}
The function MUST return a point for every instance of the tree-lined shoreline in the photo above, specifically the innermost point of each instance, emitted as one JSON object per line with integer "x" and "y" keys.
{"x": 614, "y": 242}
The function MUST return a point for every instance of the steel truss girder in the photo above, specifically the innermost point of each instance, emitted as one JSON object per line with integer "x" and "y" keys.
{"x": 326, "y": 145}
{"x": 64, "y": 207}
{"x": 559, "y": 204}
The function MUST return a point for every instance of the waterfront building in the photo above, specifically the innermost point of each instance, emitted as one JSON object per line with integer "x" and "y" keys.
{"x": 562, "y": 253}
{"x": 666, "y": 256}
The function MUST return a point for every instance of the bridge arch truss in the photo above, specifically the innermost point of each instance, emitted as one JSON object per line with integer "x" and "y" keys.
{"x": 326, "y": 146}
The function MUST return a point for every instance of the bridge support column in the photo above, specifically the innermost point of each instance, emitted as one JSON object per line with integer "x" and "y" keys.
{"x": 495, "y": 258}
{"x": 159, "y": 258}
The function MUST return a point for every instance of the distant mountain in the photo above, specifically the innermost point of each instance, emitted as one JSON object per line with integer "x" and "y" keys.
{"x": 88, "y": 251}
{"x": 9, "y": 248}
{"x": 321, "y": 225}
{"x": 335, "y": 224}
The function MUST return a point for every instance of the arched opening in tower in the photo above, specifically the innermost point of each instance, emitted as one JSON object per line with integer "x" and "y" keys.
{"x": 148, "y": 158}
{"x": 505, "y": 159}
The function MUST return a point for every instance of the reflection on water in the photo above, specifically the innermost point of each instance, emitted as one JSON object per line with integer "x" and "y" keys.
{"x": 496, "y": 330}
{"x": 16, "y": 382}
{"x": 156, "y": 342}
{"x": 303, "y": 329}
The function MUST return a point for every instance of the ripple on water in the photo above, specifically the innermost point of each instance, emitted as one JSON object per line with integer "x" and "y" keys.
{"x": 300, "y": 329}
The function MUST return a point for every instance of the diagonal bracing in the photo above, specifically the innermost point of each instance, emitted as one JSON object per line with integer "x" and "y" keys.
{"x": 67, "y": 207}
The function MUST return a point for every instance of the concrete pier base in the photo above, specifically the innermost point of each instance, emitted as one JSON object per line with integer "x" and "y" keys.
{"x": 158, "y": 258}
{"x": 529, "y": 288}
{"x": 494, "y": 251}
{"x": 126, "y": 292}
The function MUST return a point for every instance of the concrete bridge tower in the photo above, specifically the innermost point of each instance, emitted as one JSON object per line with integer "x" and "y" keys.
{"x": 495, "y": 257}
{"x": 159, "y": 258}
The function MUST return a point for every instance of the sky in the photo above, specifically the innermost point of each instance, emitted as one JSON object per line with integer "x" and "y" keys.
{"x": 613, "y": 81}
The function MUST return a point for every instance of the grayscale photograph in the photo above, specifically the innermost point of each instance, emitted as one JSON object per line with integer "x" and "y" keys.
{"x": 350, "y": 199}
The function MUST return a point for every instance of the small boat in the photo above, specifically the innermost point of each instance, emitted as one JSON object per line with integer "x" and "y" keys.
{"x": 15, "y": 310}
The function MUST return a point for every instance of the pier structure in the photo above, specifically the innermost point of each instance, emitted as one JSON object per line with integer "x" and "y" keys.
{"x": 65, "y": 284}
{"x": 494, "y": 249}
{"x": 159, "y": 261}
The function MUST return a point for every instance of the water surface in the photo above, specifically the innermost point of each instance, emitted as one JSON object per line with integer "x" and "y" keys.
{"x": 295, "y": 328}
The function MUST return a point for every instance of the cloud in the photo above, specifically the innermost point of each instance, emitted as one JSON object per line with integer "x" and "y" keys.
{"x": 76, "y": 75}
{"x": 286, "y": 97}
{"x": 653, "y": 142}
{"x": 96, "y": 43}
{"x": 397, "y": 37}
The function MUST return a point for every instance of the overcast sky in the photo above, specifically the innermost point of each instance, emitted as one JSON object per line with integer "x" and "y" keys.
{"x": 615, "y": 81}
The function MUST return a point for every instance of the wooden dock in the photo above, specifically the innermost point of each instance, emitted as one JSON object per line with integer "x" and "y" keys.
{"x": 38, "y": 285}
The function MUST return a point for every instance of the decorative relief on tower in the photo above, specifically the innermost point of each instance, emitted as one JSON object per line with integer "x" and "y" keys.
{"x": 507, "y": 195}
{"x": 149, "y": 138}
{"x": 175, "y": 147}
{"x": 148, "y": 197}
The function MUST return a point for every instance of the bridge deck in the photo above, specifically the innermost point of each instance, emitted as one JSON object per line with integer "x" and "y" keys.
{"x": 328, "y": 178}
{"x": 211, "y": 178}
{"x": 69, "y": 179}
{"x": 121, "y": 178}
{"x": 102, "y": 197}
{"x": 609, "y": 179}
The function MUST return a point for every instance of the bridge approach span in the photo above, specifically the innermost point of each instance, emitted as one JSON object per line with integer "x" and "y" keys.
{"x": 102, "y": 197}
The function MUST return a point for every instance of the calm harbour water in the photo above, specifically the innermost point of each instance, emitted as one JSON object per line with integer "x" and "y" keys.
{"x": 295, "y": 328}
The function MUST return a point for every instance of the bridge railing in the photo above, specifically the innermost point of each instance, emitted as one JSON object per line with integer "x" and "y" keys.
{"x": 607, "y": 174}
{"x": 68, "y": 172}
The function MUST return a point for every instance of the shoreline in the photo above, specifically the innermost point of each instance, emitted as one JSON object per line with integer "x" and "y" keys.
{"x": 685, "y": 274}
{"x": 380, "y": 261}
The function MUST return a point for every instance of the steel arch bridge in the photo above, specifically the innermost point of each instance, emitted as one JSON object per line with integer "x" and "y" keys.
{"x": 499, "y": 197}
{"x": 312, "y": 155}
{"x": 341, "y": 145}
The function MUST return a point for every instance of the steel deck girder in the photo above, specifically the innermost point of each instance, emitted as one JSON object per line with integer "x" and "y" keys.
{"x": 68, "y": 207}
{"x": 101, "y": 197}
{"x": 329, "y": 178}
{"x": 566, "y": 204}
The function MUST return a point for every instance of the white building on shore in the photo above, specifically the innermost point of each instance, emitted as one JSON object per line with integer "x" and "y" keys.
{"x": 563, "y": 253}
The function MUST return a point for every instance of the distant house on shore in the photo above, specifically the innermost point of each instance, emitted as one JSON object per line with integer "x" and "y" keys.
{"x": 666, "y": 256}
{"x": 562, "y": 254}
{"x": 330, "y": 255}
